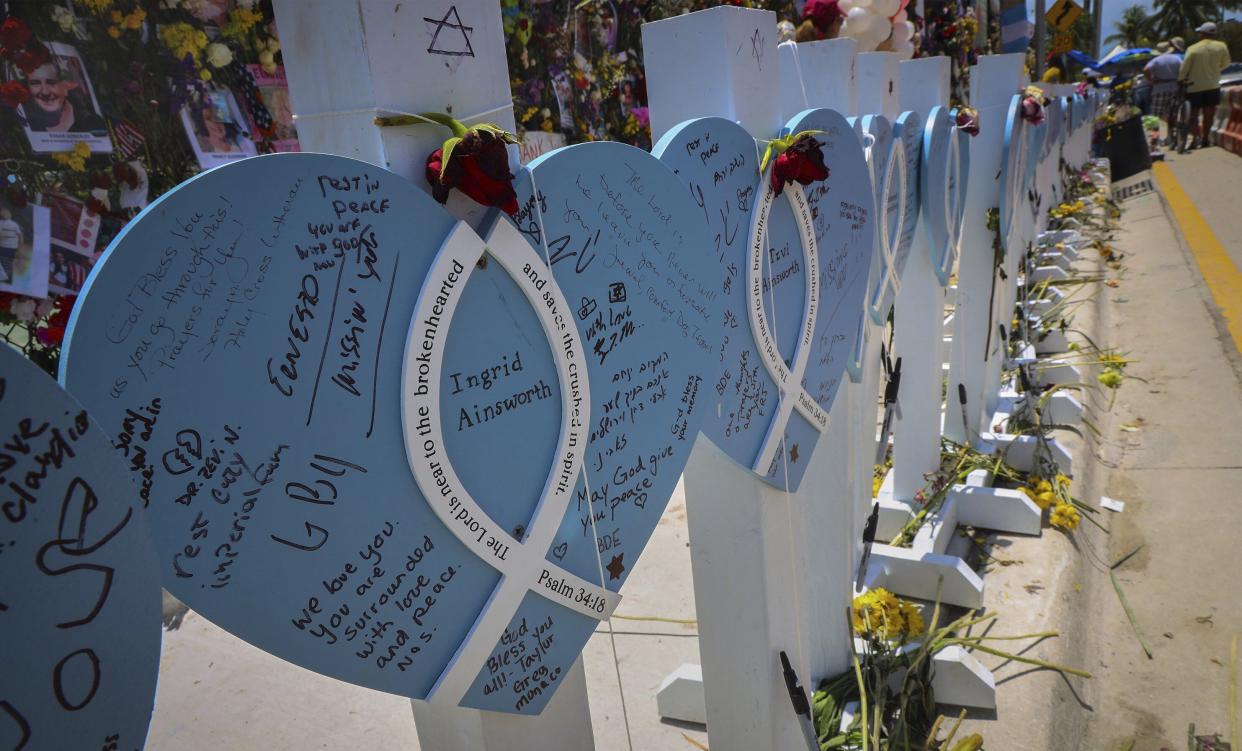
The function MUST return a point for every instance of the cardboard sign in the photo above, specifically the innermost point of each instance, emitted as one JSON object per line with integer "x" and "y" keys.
{"x": 1063, "y": 14}
{"x": 373, "y": 431}
{"x": 80, "y": 605}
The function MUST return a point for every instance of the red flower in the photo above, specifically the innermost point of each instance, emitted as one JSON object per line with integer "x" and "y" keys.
{"x": 29, "y": 59}
{"x": 96, "y": 206}
{"x": 822, "y": 13}
{"x": 54, "y": 333}
{"x": 101, "y": 180}
{"x": 802, "y": 162}
{"x": 478, "y": 166}
{"x": 968, "y": 121}
{"x": 16, "y": 196}
{"x": 14, "y": 34}
{"x": 14, "y": 93}
{"x": 126, "y": 173}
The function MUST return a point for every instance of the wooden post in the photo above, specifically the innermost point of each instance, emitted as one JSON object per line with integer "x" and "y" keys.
{"x": 347, "y": 62}
{"x": 746, "y": 535}
{"x": 994, "y": 81}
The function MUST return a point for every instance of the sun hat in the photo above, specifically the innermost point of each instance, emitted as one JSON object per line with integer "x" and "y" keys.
{"x": 1163, "y": 47}
{"x": 1207, "y": 28}
{"x": 1178, "y": 43}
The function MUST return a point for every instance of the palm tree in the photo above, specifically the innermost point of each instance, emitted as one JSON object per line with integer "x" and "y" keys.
{"x": 1181, "y": 17}
{"x": 1133, "y": 30}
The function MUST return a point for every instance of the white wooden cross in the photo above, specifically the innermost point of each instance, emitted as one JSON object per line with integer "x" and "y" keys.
{"x": 349, "y": 61}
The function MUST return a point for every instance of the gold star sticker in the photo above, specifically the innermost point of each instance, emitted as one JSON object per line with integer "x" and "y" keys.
{"x": 793, "y": 453}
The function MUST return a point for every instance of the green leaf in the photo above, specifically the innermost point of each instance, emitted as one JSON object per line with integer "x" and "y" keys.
{"x": 448, "y": 147}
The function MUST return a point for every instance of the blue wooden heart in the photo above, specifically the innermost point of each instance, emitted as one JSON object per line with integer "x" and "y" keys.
{"x": 368, "y": 449}
{"x": 772, "y": 413}
{"x": 944, "y": 173}
{"x": 80, "y": 605}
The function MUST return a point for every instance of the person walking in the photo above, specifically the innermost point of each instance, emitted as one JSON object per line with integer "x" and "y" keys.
{"x": 1163, "y": 72}
{"x": 1200, "y": 70}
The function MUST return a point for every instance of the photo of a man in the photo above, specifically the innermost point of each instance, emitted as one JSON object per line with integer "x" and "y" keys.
{"x": 62, "y": 109}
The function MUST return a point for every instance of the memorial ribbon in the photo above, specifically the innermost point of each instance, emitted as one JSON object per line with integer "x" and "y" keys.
{"x": 522, "y": 563}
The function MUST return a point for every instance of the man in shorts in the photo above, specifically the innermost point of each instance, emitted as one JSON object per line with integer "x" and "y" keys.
{"x": 1163, "y": 72}
{"x": 1200, "y": 70}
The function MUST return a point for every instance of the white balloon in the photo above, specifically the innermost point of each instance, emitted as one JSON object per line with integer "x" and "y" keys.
{"x": 901, "y": 17}
{"x": 886, "y": 8}
{"x": 847, "y": 30}
{"x": 861, "y": 20}
{"x": 862, "y": 3}
{"x": 881, "y": 30}
{"x": 903, "y": 31}
{"x": 904, "y": 50}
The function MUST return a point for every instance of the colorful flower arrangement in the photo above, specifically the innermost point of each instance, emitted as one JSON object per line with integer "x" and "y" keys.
{"x": 135, "y": 65}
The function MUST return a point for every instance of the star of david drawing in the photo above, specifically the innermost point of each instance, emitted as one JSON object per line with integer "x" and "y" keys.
{"x": 615, "y": 567}
{"x": 453, "y": 21}
{"x": 756, "y": 48}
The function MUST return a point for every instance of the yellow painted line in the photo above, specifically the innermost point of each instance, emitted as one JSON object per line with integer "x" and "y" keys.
{"x": 1218, "y": 269}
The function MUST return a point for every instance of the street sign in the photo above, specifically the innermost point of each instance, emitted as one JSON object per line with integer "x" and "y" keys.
{"x": 1063, "y": 14}
{"x": 1062, "y": 43}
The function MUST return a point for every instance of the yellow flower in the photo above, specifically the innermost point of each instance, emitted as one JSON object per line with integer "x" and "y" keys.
{"x": 1065, "y": 516}
{"x": 114, "y": 32}
{"x": 1063, "y": 480}
{"x": 914, "y": 619}
{"x": 1045, "y": 499}
{"x": 97, "y": 7}
{"x": 547, "y": 125}
{"x": 204, "y": 74}
{"x": 134, "y": 20}
{"x": 1043, "y": 486}
{"x": 880, "y": 614}
{"x": 75, "y": 158}
{"x": 116, "y": 16}
{"x": 1111, "y": 378}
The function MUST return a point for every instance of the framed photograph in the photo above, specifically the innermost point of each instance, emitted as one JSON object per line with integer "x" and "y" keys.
{"x": 73, "y": 234}
{"x": 216, "y": 129}
{"x": 275, "y": 90}
{"x": 23, "y": 248}
{"x": 62, "y": 109}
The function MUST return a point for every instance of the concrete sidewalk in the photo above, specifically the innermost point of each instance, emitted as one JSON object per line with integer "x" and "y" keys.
{"x": 216, "y": 691}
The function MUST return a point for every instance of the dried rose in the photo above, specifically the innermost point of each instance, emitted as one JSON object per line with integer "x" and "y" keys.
{"x": 967, "y": 120}
{"x": 476, "y": 162}
{"x": 799, "y": 159}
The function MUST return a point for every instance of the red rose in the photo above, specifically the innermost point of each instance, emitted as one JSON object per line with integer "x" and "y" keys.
{"x": 126, "y": 173}
{"x": 822, "y": 13}
{"x": 29, "y": 59}
{"x": 479, "y": 167}
{"x": 968, "y": 121}
{"x": 96, "y": 206}
{"x": 54, "y": 332}
{"x": 14, "y": 93}
{"x": 802, "y": 162}
{"x": 14, "y": 34}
